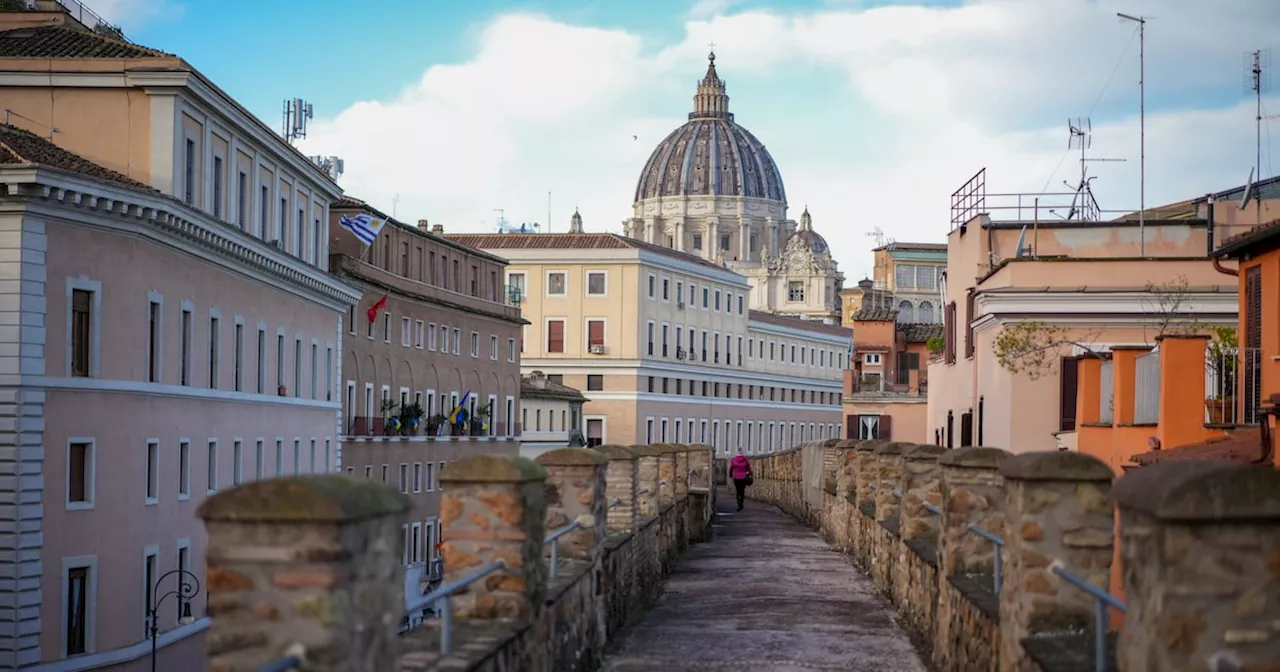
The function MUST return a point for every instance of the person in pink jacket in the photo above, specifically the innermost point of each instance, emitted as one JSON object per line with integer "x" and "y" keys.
{"x": 740, "y": 472}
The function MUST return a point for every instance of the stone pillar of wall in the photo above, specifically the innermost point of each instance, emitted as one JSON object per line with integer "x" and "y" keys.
{"x": 666, "y": 476}
{"x": 701, "y": 493}
{"x": 830, "y": 464}
{"x": 846, "y": 475}
{"x": 494, "y": 508}
{"x": 620, "y": 484}
{"x": 700, "y": 458}
{"x": 1200, "y": 545}
{"x": 575, "y": 492}
{"x": 1058, "y": 510}
{"x": 921, "y": 483}
{"x": 682, "y": 472}
{"x": 867, "y": 471}
{"x": 647, "y": 478}
{"x": 972, "y": 493}
{"x": 313, "y": 560}
{"x": 888, "y": 479}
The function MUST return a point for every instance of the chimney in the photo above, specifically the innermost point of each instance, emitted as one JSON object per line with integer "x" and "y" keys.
{"x": 437, "y": 229}
{"x": 422, "y": 225}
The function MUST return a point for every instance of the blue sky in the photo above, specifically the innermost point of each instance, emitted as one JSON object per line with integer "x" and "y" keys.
{"x": 874, "y": 114}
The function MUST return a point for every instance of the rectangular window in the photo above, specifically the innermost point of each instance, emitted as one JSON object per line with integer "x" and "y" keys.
{"x": 555, "y": 335}
{"x": 153, "y": 472}
{"x": 328, "y": 373}
{"x": 717, "y": 300}
{"x": 279, "y": 457}
{"x": 297, "y": 456}
{"x": 406, "y": 329}
{"x": 259, "y": 460}
{"x": 404, "y": 478}
{"x": 211, "y": 464}
{"x": 431, "y": 337}
{"x": 315, "y": 377}
{"x": 184, "y": 563}
{"x": 237, "y": 463}
{"x": 184, "y": 469}
{"x": 457, "y": 340}
{"x": 262, "y": 360}
{"x": 596, "y": 283}
{"x": 214, "y": 341}
{"x": 595, "y": 333}
{"x": 417, "y": 477}
{"x": 184, "y": 376}
{"x": 417, "y": 334}
{"x": 242, "y": 198}
{"x": 665, "y": 330}
{"x": 475, "y": 344}
{"x": 556, "y": 283}
{"x": 493, "y": 348}
{"x": 189, "y": 173}
{"x": 649, "y": 334}
{"x": 516, "y": 286}
{"x": 149, "y": 576}
{"x": 80, "y": 474}
{"x": 153, "y": 343}
{"x": 297, "y": 367}
{"x": 264, "y": 210}
{"x": 666, "y": 289}
{"x": 217, "y": 186}
{"x": 595, "y": 382}
{"x": 81, "y": 331}
{"x": 239, "y": 357}
{"x": 77, "y": 610}
{"x": 280, "y": 361}
{"x": 653, "y": 285}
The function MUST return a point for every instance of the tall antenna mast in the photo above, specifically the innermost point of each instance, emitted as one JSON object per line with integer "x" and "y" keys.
{"x": 548, "y": 211}
{"x": 297, "y": 112}
{"x": 395, "y": 204}
{"x": 1142, "y": 130}
{"x": 1257, "y": 65}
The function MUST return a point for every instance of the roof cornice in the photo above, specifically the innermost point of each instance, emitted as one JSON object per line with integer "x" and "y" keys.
{"x": 168, "y": 222}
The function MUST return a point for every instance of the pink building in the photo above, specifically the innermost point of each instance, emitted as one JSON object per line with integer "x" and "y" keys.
{"x": 446, "y": 329}
{"x": 172, "y": 331}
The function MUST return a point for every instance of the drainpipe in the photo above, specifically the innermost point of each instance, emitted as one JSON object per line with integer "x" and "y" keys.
{"x": 1217, "y": 263}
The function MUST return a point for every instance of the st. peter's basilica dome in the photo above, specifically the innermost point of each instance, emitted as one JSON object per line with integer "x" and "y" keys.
{"x": 711, "y": 155}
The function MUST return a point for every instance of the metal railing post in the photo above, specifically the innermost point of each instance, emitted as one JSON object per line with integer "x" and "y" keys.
{"x": 555, "y": 557}
{"x": 446, "y": 627}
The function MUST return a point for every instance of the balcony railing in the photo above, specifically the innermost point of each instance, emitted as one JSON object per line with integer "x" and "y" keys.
{"x": 374, "y": 426}
{"x": 895, "y": 381}
{"x": 1232, "y": 382}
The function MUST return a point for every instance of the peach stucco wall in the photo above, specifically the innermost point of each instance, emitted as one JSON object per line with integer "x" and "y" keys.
{"x": 109, "y": 126}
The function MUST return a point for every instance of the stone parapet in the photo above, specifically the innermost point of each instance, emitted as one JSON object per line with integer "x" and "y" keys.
{"x": 312, "y": 565}
{"x": 647, "y": 475}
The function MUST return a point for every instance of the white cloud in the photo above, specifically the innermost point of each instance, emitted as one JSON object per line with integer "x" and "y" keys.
{"x": 907, "y": 102}
{"x": 133, "y": 13}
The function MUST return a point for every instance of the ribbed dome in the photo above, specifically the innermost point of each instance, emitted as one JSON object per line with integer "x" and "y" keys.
{"x": 807, "y": 236}
{"x": 711, "y": 155}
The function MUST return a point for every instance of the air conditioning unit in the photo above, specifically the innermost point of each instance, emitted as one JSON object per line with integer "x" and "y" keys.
{"x": 596, "y": 349}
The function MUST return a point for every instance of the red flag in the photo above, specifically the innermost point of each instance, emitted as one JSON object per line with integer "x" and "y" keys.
{"x": 373, "y": 312}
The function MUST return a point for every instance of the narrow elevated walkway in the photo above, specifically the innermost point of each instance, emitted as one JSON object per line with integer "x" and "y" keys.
{"x": 767, "y": 594}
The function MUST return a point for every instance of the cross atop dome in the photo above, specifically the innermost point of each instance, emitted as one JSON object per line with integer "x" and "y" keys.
{"x": 710, "y": 100}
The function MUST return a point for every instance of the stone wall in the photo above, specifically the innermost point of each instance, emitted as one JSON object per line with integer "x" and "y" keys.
{"x": 312, "y": 565}
{"x": 1200, "y": 548}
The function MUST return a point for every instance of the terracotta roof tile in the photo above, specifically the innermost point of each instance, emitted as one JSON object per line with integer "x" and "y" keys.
{"x": 68, "y": 42}
{"x": 1244, "y": 240}
{"x": 18, "y": 146}
{"x": 550, "y": 390}
{"x": 571, "y": 241}
{"x": 1243, "y": 446}
{"x": 798, "y": 323}
{"x": 876, "y": 314}
{"x": 921, "y": 332}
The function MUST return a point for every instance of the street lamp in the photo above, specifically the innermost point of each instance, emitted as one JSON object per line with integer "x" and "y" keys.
{"x": 188, "y": 587}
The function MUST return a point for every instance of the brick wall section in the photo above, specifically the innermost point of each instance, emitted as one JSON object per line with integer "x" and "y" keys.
{"x": 647, "y": 486}
{"x": 1200, "y": 545}
{"x": 844, "y": 495}
{"x": 304, "y": 560}
{"x": 666, "y": 477}
{"x": 621, "y": 484}
{"x": 1059, "y": 508}
{"x": 575, "y": 493}
{"x": 1200, "y": 549}
{"x": 883, "y": 551}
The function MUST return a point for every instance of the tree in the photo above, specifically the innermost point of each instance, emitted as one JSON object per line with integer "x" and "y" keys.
{"x": 1033, "y": 347}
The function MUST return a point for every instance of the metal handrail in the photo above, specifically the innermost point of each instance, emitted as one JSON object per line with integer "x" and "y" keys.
{"x": 1101, "y": 600}
{"x": 897, "y": 494}
{"x": 445, "y": 593}
{"x": 554, "y": 540}
{"x": 931, "y": 508}
{"x": 999, "y": 560}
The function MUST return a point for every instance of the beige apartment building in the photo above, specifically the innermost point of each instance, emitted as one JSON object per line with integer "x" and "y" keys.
{"x": 551, "y": 415}
{"x": 445, "y": 330}
{"x": 664, "y": 345}
{"x": 175, "y": 332}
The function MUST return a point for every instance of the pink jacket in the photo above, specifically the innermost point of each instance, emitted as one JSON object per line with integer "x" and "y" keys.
{"x": 739, "y": 467}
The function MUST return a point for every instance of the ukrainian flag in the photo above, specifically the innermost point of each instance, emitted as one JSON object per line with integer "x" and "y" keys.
{"x": 459, "y": 414}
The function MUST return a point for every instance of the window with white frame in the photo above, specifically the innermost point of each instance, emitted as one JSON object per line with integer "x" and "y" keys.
{"x": 406, "y": 328}
{"x": 431, "y": 336}
{"x": 493, "y": 348}
{"x": 557, "y": 283}
{"x": 404, "y": 478}
{"x": 79, "y": 604}
{"x": 80, "y": 473}
{"x": 184, "y": 469}
{"x": 516, "y": 286}
{"x": 457, "y": 340}
{"x": 597, "y": 283}
{"x": 417, "y": 477}
{"x": 475, "y": 344}
{"x": 237, "y": 462}
{"x": 415, "y": 543}
{"x": 212, "y": 466}
{"x": 417, "y": 334}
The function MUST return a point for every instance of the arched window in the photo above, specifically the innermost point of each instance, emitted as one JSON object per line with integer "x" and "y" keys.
{"x": 906, "y": 314}
{"x": 925, "y": 312}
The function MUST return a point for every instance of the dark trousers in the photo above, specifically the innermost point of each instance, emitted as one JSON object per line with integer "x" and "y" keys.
{"x": 740, "y": 484}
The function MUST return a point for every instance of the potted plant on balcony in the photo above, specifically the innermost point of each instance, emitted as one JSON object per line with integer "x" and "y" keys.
{"x": 1221, "y": 365}
{"x": 480, "y": 421}
{"x": 435, "y": 422}
{"x": 411, "y": 418}
{"x": 389, "y": 416}
{"x": 935, "y": 344}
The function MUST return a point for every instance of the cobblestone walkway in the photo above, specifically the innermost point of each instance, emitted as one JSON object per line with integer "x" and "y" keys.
{"x": 766, "y": 594}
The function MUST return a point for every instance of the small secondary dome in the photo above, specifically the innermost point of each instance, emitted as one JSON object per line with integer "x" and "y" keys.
{"x": 710, "y": 155}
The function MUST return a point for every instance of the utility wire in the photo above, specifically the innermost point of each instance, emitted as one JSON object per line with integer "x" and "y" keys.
{"x": 1105, "y": 86}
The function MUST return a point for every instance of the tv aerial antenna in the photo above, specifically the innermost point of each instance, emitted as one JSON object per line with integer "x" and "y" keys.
{"x": 878, "y": 234}
{"x": 1257, "y": 64}
{"x": 1084, "y": 207}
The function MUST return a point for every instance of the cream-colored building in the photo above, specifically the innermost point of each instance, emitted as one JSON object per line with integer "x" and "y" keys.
{"x": 550, "y": 415}
{"x": 665, "y": 345}
{"x": 711, "y": 189}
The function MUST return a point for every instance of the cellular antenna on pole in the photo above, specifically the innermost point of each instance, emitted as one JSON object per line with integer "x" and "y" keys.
{"x": 297, "y": 112}
{"x": 1142, "y": 130}
{"x": 1257, "y": 64}
{"x": 1084, "y": 207}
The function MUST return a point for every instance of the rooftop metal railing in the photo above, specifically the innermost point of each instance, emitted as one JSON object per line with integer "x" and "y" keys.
{"x": 1102, "y": 601}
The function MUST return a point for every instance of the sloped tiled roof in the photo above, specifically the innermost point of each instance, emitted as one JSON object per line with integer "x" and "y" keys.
{"x": 551, "y": 390}
{"x": 1241, "y": 243}
{"x": 1244, "y": 446}
{"x": 18, "y": 146}
{"x": 920, "y": 332}
{"x": 68, "y": 42}
{"x": 798, "y": 323}
{"x": 570, "y": 241}
{"x": 876, "y": 314}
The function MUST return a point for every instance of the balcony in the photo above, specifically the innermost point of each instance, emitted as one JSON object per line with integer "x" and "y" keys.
{"x": 384, "y": 428}
{"x": 896, "y": 383}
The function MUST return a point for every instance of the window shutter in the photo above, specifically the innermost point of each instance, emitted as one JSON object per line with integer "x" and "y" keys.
{"x": 555, "y": 336}
{"x": 595, "y": 332}
{"x": 949, "y": 334}
{"x": 884, "y": 431}
{"x": 968, "y": 324}
{"x": 1252, "y": 344}
{"x": 850, "y": 426}
{"x": 966, "y": 429}
{"x": 1069, "y": 391}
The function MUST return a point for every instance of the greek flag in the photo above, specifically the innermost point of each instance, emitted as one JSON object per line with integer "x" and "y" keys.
{"x": 363, "y": 226}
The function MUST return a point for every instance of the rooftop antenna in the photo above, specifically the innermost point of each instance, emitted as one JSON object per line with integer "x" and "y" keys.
{"x": 333, "y": 166}
{"x": 1084, "y": 207}
{"x": 297, "y": 112}
{"x": 1142, "y": 130}
{"x": 548, "y": 211}
{"x": 395, "y": 204}
{"x": 1257, "y": 65}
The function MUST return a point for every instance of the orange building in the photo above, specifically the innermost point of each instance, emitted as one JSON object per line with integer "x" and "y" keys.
{"x": 885, "y": 387}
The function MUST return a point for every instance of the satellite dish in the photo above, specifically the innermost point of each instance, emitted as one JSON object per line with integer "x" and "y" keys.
{"x": 1248, "y": 191}
{"x": 1022, "y": 239}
